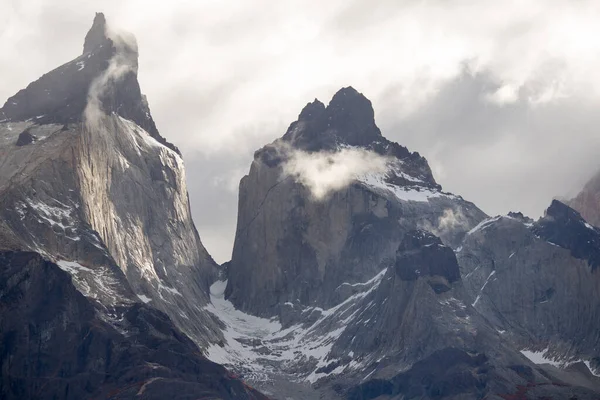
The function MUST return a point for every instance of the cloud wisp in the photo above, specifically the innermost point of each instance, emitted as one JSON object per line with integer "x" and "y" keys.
{"x": 326, "y": 172}
{"x": 122, "y": 62}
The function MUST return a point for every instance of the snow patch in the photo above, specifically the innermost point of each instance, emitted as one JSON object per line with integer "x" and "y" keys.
{"x": 144, "y": 298}
{"x": 541, "y": 357}
{"x": 413, "y": 193}
{"x": 98, "y": 283}
{"x": 587, "y": 364}
{"x": 256, "y": 344}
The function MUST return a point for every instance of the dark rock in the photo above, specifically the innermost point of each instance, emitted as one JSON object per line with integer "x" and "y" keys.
{"x": 422, "y": 254}
{"x": 25, "y": 138}
{"x": 519, "y": 215}
{"x": 96, "y": 36}
{"x": 565, "y": 227}
{"x": 61, "y": 95}
{"x": 54, "y": 344}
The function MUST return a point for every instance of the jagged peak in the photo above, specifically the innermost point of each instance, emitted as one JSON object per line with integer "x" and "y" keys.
{"x": 566, "y": 228}
{"x": 312, "y": 110}
{"x": 62, "y": 95}
{"x": 348, "y": 120}
{"x": 97, "y": 35}
{"x": 558, "y": 209}
{"x": 350, "y": 99}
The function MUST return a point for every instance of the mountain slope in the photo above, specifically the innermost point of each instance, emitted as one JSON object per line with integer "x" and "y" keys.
{"x": 344, "y": 282}
{"x": 587, "y": 202}
{"x": 538, "y": 282}
{"x": 102, "y": 271}
{"x": 58, "y": 344}
{"x": 96, "y": 172}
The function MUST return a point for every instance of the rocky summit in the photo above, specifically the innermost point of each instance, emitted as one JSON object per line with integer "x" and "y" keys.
{"x": 104, "y": 277}
{"x": 354, "y": 275}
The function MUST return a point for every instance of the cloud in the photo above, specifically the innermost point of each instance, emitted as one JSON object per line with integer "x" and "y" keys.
{"x": 222, "y": 79}
{"x": 448, "y": 222}
{"x": 122, "y": 62}
{"x": 326, "y": 172}
{"x": 506, "y": 94}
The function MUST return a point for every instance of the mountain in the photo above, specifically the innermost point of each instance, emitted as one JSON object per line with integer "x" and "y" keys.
{"x": 289, "y": 248}
{"x": 587, "y": 202}
{"x": 353, "y": 275}
{"x": 103, "y": 272}
{"x": 539, "y": 282}
{"x": 346, "y": 284}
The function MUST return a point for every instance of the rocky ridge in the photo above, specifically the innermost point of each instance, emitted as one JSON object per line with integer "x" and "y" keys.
{"x": 358, "y": 294}
{"x": 538, "y": 283}
{"x": 103, "y": 272}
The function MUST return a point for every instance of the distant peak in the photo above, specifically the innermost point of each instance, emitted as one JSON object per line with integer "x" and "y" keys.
{"x": 312, "y": 110}
{"x": 560, "y": 210}
{"x": 351, "y": 113}
{"x": 350, "y": 97}
{"x": 348, "y": 91}
{"x": 96, "y": 36}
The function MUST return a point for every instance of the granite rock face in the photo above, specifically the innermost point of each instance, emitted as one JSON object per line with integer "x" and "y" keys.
{"x": 538, "y": 283}
{"x": 99, "y": 175}
{"x": 89, "y": 186}
{"x": 409, "y": 332}
{"x": 291, "y": 247}
{"x": 587, "y": 202}
{"x": 358, "y": 294}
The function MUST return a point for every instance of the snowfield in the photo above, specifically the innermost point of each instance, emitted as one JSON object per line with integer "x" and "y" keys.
{"x": 256, "y": 347}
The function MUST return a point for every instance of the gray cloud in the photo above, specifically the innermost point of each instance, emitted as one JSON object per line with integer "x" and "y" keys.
{"x": 502, "y": 101}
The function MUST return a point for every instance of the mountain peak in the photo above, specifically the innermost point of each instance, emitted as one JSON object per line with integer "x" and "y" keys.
{"x": 61, "y": 95}
{"x": 560, "y": 210}
{"x": 348, "y": 119}
{"x": 312, "y": 110}
{"x": 566, "y": 228}
{"x": 352, "y": 115}
{"x": 97, "y": 35}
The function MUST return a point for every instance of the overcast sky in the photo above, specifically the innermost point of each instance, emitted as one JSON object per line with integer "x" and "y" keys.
{"x": 501, "y": 97}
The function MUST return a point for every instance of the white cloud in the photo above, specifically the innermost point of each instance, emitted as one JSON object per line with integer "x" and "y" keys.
{"x": 326, "y": 172}
{"x": 449, "y": 221}
{"x": 123, "y": 61}
{"x": 239, "y": 67}
{"x": 506, "y": 94}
